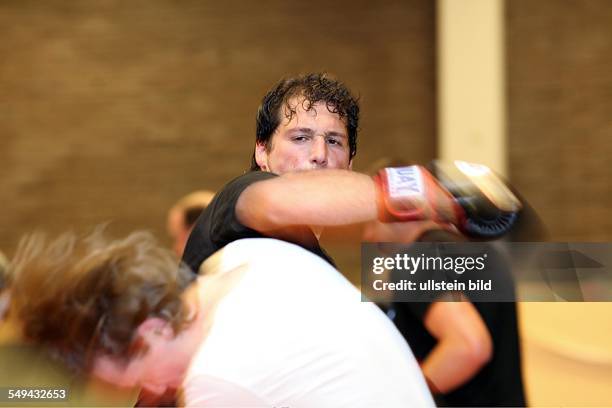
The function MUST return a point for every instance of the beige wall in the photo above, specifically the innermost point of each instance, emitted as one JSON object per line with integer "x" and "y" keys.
{"x": 567, "y": 353}
{"x": 559, "y": 55}
{"x": 471, "y": 92}
{"x": 111, "y": 110}
{"x": 555, "y": 137}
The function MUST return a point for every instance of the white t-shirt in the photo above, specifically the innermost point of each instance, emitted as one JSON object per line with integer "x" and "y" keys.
{"x": 293, "y": 332}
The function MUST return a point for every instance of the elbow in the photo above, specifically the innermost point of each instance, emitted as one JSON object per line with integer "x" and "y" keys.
{"x": 477, "y": 348}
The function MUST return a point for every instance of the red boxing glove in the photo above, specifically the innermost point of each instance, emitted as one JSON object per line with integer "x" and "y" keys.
{"x": 413, "y": 194}
{"x": 467, "y": 195}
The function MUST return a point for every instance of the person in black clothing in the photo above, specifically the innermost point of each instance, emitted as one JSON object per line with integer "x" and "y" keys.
{"x": 310, "y": 123}
{"x": 304, "y": 123}
{"x": 470, "y": 348}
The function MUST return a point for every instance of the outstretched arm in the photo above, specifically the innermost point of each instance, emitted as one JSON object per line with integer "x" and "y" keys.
{"x": 313, "y": 198}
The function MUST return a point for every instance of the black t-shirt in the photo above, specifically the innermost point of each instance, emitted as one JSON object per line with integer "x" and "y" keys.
{"x": 218, "y": 225}
{"x": 499, "y": 382}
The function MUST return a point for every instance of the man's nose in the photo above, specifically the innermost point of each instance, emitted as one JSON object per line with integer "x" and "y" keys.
{"x": 318, "y": 152}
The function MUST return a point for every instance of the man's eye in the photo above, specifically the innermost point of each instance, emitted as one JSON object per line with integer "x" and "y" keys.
{"x": 334, "y": 142}
{"x": 300, "y": 138}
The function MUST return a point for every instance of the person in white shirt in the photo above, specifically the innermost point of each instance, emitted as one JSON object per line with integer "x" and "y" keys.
{"x": 266, "y": 324}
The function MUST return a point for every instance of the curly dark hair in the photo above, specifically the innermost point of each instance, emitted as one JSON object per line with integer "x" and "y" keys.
{"x": 83, "y": 297}
{"x": 314, "y": 88}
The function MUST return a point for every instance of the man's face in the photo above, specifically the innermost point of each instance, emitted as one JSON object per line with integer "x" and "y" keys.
{"x": 156, "y": 370}
{"x": 114, "y": 372}
{"x": 312, "y": 139}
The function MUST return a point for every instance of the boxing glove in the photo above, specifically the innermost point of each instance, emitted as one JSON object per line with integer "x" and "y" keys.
{"x": 469, "y": 196}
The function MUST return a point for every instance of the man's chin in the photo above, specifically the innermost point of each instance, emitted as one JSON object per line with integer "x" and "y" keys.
{"x": 303, "y": 169}
{"x": 311, "y": 168}
{"x": 157, "y": 397}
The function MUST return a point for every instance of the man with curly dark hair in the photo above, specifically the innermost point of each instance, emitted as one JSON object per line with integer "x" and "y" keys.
{"x": 309, "y": 122}
{"x": 301, "y": 179}
{"x": 307, "y": 91}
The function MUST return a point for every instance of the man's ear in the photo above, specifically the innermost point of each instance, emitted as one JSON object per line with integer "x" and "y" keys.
{"x": 350, "y": 164}
{"x": 154, "y": 328}
{"x": 261, "y": 156}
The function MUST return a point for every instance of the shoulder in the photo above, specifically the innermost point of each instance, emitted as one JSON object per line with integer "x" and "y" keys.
{"x": 249, "y": 178}
{"x": 230, "y": 193}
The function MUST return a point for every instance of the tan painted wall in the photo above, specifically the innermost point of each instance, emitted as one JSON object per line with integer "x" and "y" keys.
{"x": 567, "y": 353}
{"x": 559, "y": 55}
{"x": 112, "y": 110}
{"x": 471, "y": 92}
{"x": 558, "y": 127}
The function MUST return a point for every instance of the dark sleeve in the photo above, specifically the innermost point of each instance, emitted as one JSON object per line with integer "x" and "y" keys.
{"x": 410, "y": 316}
{"x": 218, "y": 225}
{"x": 419, "y": 309}
{"x": 224, "y": 225}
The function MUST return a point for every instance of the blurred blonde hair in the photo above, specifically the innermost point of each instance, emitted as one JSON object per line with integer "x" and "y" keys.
{"x": 84, "y": 296}
{"x": 191, "y": 205}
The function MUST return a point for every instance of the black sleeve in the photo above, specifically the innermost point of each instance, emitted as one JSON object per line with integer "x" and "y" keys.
{"x": 410, "y": 316}
{"x": 224, "y": 225}
{"x": 419, "y": 309}
{"x": 218, "y": 225}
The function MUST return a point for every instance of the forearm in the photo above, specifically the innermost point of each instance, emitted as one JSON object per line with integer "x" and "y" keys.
{"x": 464, "y": 344}
{"x": 322, "y": 197}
